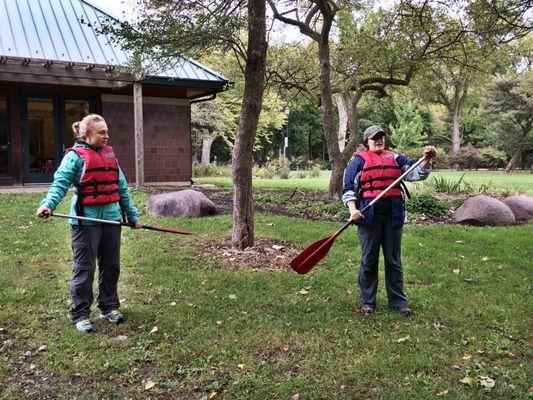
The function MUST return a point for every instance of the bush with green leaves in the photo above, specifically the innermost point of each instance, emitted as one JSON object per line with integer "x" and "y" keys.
{"x": 202, "y": 171}
{"x": 492, "y": 158}
{"x": 275, "y": 168}
{"x": 314, "y": 172}
{"x": 428, "y": 205}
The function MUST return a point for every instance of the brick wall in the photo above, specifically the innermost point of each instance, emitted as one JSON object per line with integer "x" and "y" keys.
{"x": 167, "y": 145}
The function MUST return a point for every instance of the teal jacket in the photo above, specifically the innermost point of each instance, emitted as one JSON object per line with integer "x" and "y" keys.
{"x": 69, "y": 173}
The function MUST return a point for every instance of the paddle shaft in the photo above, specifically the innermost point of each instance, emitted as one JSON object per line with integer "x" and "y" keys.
{"x": 128, "y": 224}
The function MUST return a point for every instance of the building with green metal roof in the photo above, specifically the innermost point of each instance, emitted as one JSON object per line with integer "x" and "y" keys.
{"x": 55, "y": 67}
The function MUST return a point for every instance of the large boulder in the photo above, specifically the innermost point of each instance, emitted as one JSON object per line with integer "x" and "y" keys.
{"x": 185, "y": 203}
{"x": 484, "y": 210}
{"x": 521, "y": 206}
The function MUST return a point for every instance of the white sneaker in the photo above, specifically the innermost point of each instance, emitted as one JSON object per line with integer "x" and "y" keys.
{"x": 84, "y": 325}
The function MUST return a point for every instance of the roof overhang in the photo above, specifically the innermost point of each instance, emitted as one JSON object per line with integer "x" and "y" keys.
{"x": 16, "y": 69}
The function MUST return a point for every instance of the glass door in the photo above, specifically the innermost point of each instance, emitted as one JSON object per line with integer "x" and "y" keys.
{"x": 74, "y": 110}
{"x": 5, "y": 150}
{"x": 47, "y": 131}
{"x": 40, "y": 138}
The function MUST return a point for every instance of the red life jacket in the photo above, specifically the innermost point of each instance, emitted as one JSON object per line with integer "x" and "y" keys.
{"x": 99, "y": 179}
{"x": 379, "y": 171}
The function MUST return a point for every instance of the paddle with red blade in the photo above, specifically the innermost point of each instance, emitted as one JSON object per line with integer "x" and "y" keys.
{"x": 104, "y": 221}
{"x": 316, "y": 251}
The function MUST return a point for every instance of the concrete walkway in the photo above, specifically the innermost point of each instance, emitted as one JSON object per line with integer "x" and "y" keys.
{"x": 25, "y": 189}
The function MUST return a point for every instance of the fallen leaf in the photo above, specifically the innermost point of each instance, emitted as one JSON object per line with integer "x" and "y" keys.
{"x": 219, "y": 322}
{"x": 3, "y": 330}
{"x": 461, "y": 256}
{"x": 154, "y": 330}
{"x": 303, "y": 291}
{"x": 467, "y": 381}
{"x": 42, "y": 348}
{"x": 511, "y": 354}
{"x": 456, "y": 271}
{"x": 232, "y": 296}
{"x": 173, "y": 303}
{"x": 149, "y": 385}
{"x": 32, "y": 366}
{"x": 443, "y": 393}
{"x": 285, "y": 348}
{"x": 403, "y": 339}
{"x": 34, "y": 261}
{"x": 467, "y": 357}
{"x": 277, "y": 247}
{"x": 122, "y": 337}
{"x": 271, "y": 224}
{"x": 458, "y": 241}
{"x": 485, "y": 258}
{"x": 240, "y": 366}
{"x": 486, "y": 382}
{"x": 456, "y": 366}
{"x": 212, "y": 395}
{"x": 295, "y": 396}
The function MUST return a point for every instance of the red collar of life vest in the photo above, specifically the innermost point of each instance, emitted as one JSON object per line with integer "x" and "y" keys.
{"x": 379, "y": 171}
{"x": 99, "y": 179}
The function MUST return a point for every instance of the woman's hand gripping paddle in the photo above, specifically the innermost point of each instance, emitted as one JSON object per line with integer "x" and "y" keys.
{"x": 316, "y": 251}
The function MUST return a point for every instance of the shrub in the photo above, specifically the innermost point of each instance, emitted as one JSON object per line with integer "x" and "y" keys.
{"x": 301, "y": 174}
{"x": 314, "y": 172}
{"x": 200, "y": 170}
{"x": 276, "y": 167}
{"x": 428, "y": 205}
{"x": 492, "y": 158}
{"x": 467, "y": 157}
{"x": 442, "y": 184}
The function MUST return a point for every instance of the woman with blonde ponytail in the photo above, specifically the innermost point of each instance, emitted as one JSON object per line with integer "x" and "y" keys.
{"x": 101, "y": 191}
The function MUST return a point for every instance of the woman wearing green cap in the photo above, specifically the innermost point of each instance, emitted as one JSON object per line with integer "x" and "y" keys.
{"x": 365, "y": 177}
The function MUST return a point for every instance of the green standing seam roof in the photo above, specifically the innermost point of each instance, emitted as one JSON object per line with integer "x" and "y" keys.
{"x": 66, "y": 31}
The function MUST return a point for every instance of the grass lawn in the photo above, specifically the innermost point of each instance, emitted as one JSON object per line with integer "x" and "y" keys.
{"x": 521, "y": 181}
{"x": 226, "y": 333}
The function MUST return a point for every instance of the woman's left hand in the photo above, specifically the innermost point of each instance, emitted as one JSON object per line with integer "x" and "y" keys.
{"x": 430, "y": 152}
{"x": 138, "y": 225}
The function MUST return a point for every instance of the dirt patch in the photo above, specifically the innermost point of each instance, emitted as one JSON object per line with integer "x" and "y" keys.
{"x": 266, "y": 254}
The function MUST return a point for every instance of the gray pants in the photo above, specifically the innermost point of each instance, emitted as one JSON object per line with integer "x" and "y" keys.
{"x": 371, "y": 239}
{"x": 91, "y": 243}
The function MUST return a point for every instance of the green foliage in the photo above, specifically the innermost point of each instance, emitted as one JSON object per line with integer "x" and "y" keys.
{"x": 271, "y": 197}
{"x": 428, "y": 205}
{"x": 492, "y": 158}
{"x": 409, "y": 130}
{"x": 314, "y": 172}
{"x": 275, "y": 168}
{"x": 442, "y": 184}
{"x": 200, "y": 170}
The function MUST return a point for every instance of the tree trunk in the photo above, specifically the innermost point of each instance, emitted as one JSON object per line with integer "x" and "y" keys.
{"x": 337, "y": 163}
{"x": 207, "y": 141}
{"x": 254, "y": 75}
{"x": 343, "y": 121}
{"x": 512, "y": 162}
{"x": 456, "y": 133}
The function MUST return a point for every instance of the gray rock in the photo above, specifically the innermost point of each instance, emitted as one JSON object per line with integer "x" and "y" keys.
{"x": 484, "y": 210}
{"x": 185, "y": 203}
{"x": 521, "y": 206}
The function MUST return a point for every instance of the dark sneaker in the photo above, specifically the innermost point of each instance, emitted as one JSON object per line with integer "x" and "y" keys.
{"x": 114, "y": 316}
{"x": 367, "y": 309}
{"x": 406, "y": 311}
{"x": 84, "y": 326}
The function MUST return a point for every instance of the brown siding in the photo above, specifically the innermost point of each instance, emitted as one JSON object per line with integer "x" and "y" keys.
{"x": 167, "y": 145}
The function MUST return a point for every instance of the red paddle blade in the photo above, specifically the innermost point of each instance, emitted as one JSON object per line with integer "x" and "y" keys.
{"x": 171, "y": 230}
{"x": 312, "y": 254}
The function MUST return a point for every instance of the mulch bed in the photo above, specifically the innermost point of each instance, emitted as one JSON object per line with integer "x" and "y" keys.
{"x": 265, "y": 254}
